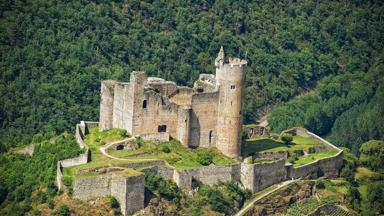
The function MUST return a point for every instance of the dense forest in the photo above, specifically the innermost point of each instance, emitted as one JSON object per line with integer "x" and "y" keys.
{"x": 53, "y": 54}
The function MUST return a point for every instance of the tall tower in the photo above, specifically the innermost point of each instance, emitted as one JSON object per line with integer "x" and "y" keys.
{"x": 230, "y": 81}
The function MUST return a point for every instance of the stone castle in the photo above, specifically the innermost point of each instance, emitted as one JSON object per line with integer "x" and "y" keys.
{"x": 207, "y": 115}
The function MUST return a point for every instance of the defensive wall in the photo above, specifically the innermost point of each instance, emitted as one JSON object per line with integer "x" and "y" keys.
{"x": 129, "y": 189}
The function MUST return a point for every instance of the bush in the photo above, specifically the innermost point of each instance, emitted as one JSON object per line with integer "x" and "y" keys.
{"x": 67, "y": 181}
{"x": 114, "y": 203}
{"x": 165, "y": 149}
{"x": 205, "y": 158}
{"x": 293, "y": 158}
{"x": 286, "y": 138}
{"x": 38, "y": 138}
{"x": 319, "y": 184}
{"x": 63, "y": 210}
{"x": 51, "y": 204}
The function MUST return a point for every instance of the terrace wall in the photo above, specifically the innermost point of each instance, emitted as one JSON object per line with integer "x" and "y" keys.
{"x": 207, "y": 175}
{"x": 261, "y": 175}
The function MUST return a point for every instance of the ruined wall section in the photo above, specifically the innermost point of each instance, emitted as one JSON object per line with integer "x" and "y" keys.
{"x": 183, "y": 124}
{"x": 182, "y": 96}
{"x": 122, "y": 106}
{"x": 106, "y": 104}
{"x": 203, "y": 120}
{"x": 158, "y": 111}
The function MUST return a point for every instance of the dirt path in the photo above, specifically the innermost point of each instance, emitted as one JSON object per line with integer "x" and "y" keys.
{"x": 250, "y": 205}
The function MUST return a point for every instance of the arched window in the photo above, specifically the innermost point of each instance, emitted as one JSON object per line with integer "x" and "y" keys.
{"x": 145, "y": 104}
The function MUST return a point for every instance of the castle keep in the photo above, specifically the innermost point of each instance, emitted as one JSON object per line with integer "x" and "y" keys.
{"x": 207, "y": 115}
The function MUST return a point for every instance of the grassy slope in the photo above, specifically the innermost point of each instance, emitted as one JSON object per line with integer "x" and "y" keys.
{"x": 273, "y": 145}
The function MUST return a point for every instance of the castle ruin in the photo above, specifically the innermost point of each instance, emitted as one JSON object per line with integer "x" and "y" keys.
{"x": 207, "y": 115}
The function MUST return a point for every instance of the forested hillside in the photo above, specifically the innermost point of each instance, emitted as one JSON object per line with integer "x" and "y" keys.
{"x": 53, "y": 54}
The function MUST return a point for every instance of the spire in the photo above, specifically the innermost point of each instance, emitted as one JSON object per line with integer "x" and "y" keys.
{"x": 220, "y": 56}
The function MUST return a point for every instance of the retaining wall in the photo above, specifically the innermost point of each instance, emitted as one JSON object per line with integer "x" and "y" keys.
{"x": 207, "y": 175}
{"x": 156, "y": 137}
{"x": 128, "y": 190}
{"x": 261, "y": 175}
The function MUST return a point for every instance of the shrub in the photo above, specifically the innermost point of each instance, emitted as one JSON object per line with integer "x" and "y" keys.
{"x": 67, "y": 181}
{"x": 217, "y": 201}
{"x": 63, "y": 210}
{"x": 114, "y": 203}
{"x": 319, "y": 184}
{"x": 205, "y": 158}
{"x": 293, "y": 158}
{"x": 165, "y": 149}
{"x": 38, "y": 138}
{"x": 286, "y": 138}
{"x": 51, "y": 204}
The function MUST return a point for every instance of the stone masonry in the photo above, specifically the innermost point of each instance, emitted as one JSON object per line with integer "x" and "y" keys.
{"x": 207, "y": 115}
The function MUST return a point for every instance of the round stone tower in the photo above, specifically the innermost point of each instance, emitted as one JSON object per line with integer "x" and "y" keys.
{"x": 230, "y": 81}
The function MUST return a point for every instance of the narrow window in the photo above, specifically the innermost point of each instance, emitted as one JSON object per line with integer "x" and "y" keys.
{"x": 210, "y": 136}
{"x": 144, "y": 104}
{"x": 162, "y": 128}
{"x": 233, "y": 86}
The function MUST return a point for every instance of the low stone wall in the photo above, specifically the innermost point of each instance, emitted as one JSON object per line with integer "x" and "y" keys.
{"x": 259, "y": 176}
{"x": 271, "y": 155}
{"x": 126, "y": 144}
{"x": 207, "y": 175}
{"x": 156, "y": 137}
{"x": 128, "y": 190}
{"x": 296, "y": 131}
{"x": 81, "y": 159}
{"x": 328, "y": 167}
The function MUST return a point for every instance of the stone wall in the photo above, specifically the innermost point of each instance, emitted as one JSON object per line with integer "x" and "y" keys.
{"x": 81, "y": 159}
{"x": 183, "y": 96}
{"x": 156, "y": 137}
{"x": 92, "y": 187}
{"x": 207, "y": 175}
{"x": 271, "y": 155}
{"x": 126, "y": 144}
{"x": 259, "y": 176}
{"x": 128, "y": 190}
{"x": 203, "y": 120}
{"x": 106, "y": 104}
{"x": 328, "y": 167}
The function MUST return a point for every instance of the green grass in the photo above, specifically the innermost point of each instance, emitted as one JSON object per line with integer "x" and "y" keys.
{"x": 305, "y": 159}
{"x": 274, "y": 145}
{"x": 178, "y": 157}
